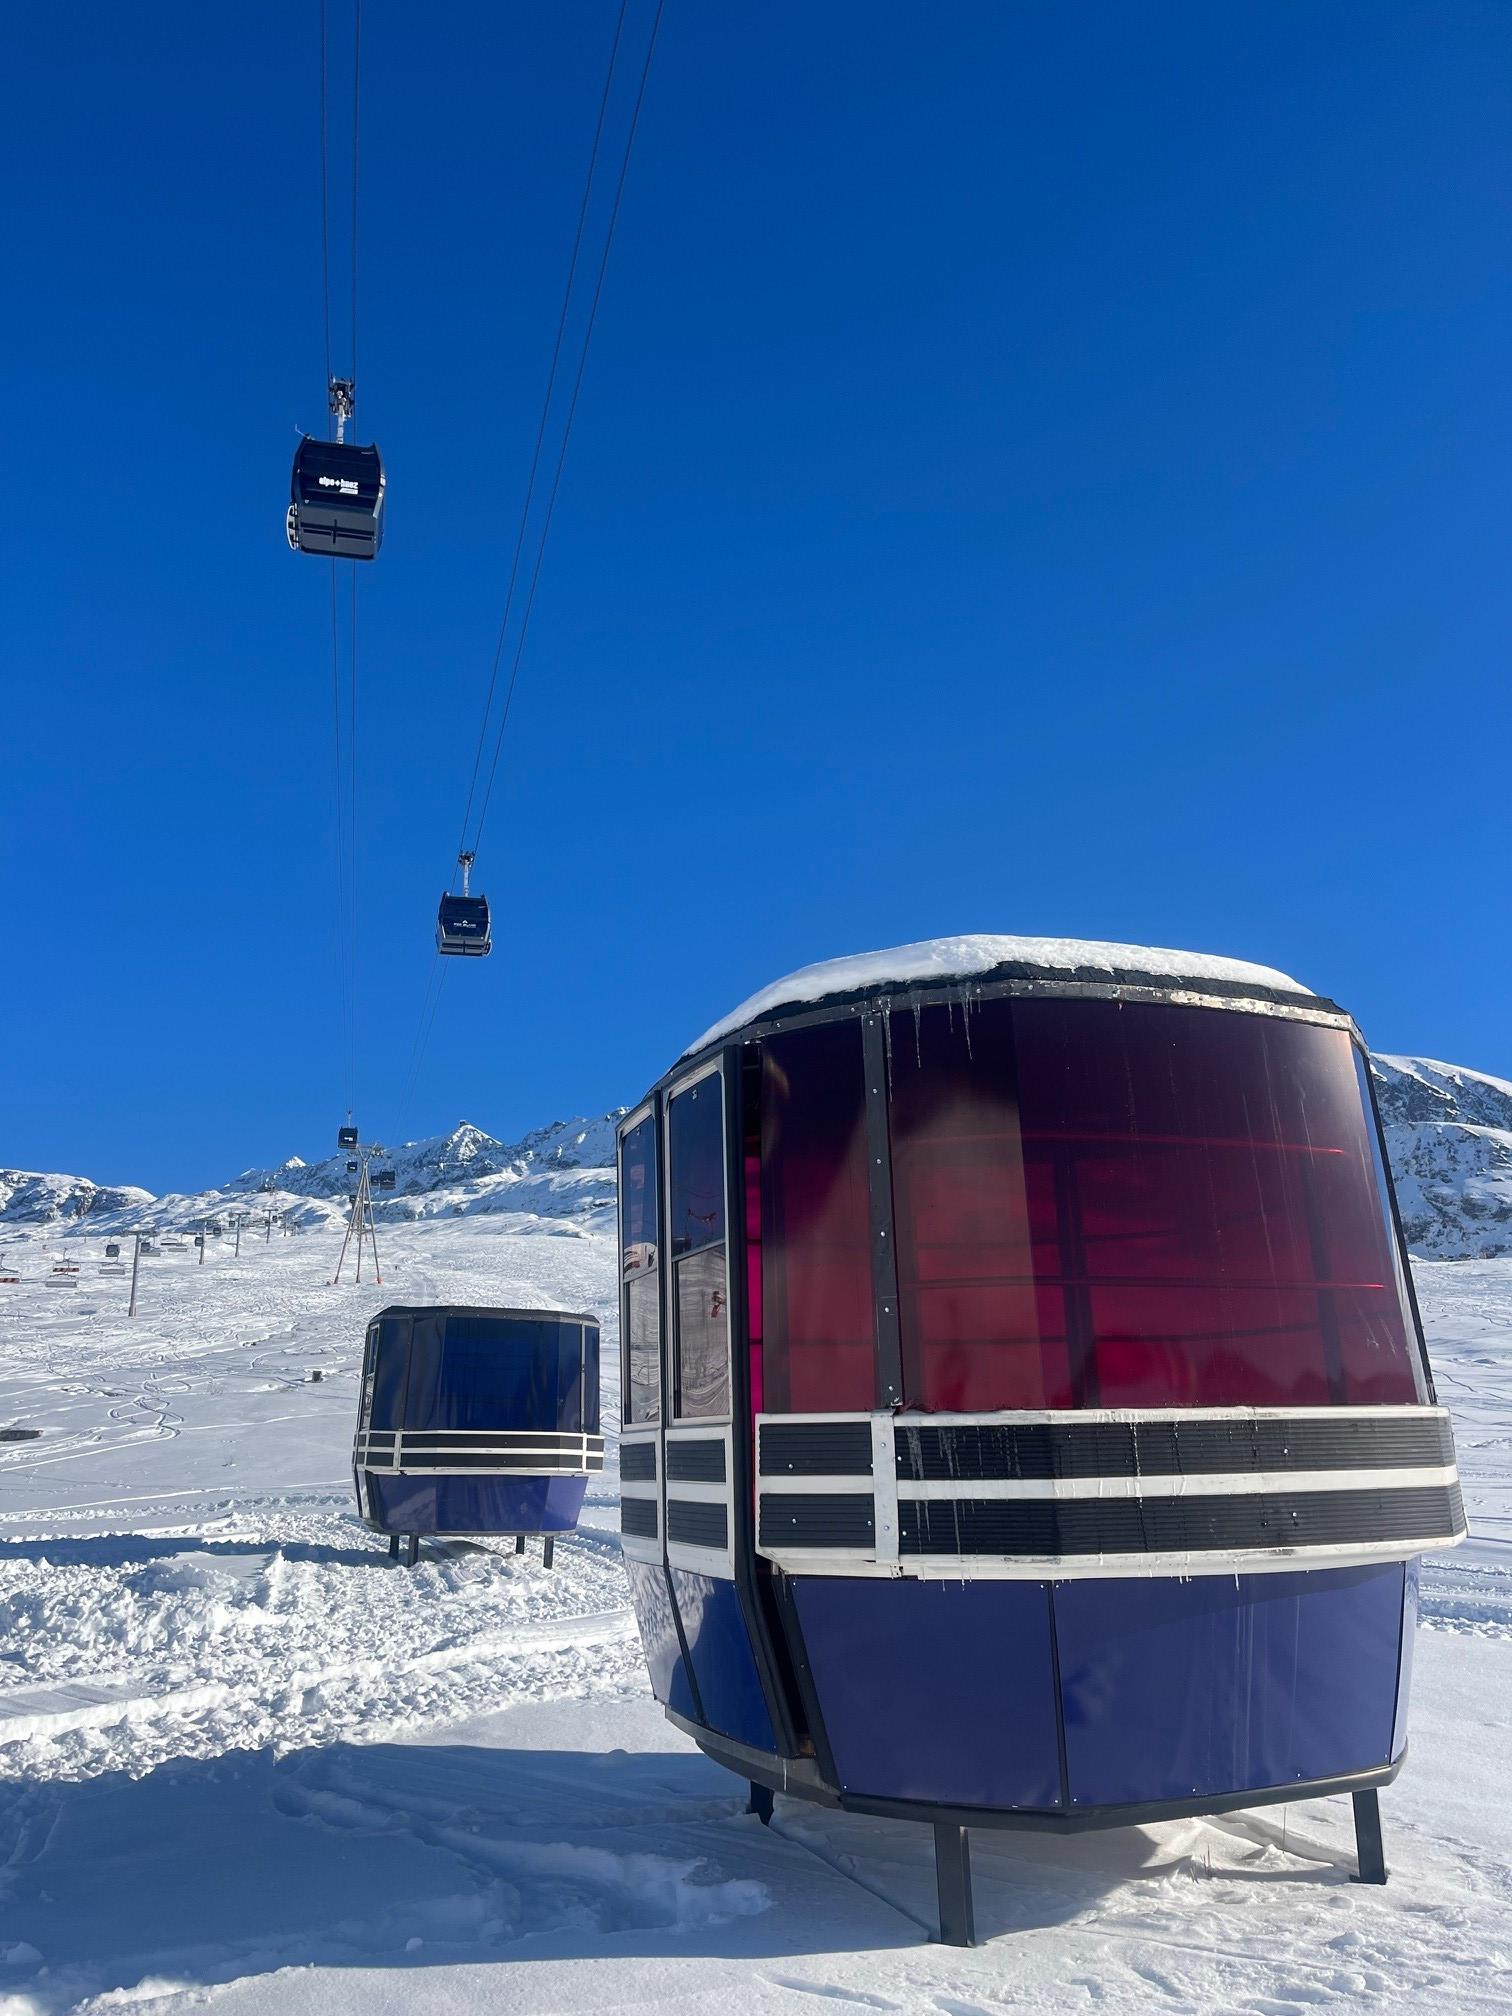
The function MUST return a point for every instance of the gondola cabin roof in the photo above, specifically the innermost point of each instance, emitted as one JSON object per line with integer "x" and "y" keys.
{"x": 982, "y": 960}
{"x": 448, "y": 1309}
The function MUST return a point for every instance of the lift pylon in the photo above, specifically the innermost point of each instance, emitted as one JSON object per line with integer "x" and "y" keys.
{"x": 361, "y": 1225}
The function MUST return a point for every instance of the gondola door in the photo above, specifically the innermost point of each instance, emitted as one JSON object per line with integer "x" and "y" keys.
{"x": 699, "y": 1471}
{"x": 701, "y": 1464}
{"x": 641, "y": 1408}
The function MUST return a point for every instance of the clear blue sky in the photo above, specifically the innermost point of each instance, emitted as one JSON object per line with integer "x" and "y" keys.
{"x": 1041, "y": 468}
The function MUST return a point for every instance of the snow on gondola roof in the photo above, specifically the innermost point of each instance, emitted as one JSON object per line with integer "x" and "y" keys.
{"x": 941, "y": 961}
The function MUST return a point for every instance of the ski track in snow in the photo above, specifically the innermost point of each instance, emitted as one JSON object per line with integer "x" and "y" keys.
{"x": 246, "y": 1763}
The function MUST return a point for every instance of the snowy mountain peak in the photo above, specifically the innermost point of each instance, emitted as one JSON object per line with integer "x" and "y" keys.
{"x": 465, "y": 1155}
{"x": 1449, "y": 1136}
{"x": 30, "y": 1198}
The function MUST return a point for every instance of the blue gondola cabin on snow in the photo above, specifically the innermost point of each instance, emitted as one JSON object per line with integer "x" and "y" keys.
{"x": 1026, "y": 1413}
{"x": 477, "y": 1422}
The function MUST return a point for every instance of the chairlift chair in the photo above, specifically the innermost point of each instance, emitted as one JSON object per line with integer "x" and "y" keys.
{"x": 462, "y": 922}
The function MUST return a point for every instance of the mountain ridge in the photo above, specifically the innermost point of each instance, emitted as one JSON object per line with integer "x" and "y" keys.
{"x": 1448, "y": 1133}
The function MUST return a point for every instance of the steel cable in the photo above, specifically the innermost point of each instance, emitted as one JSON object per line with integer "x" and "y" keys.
{"x": 577, "y": 386}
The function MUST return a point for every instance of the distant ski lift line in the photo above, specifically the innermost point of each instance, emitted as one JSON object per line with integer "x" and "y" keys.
{"x": 456, "y": 935}
{"x": 571, "y": 414}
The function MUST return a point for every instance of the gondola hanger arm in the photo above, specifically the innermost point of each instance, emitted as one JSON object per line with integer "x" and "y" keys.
{"x": 343, "y": 403}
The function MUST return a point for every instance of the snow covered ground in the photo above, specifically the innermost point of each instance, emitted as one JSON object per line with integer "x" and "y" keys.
{"x": 245, "y": 1764}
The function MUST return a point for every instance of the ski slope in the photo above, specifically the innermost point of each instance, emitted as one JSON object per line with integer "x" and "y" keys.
{"x": 247, "y": 1765}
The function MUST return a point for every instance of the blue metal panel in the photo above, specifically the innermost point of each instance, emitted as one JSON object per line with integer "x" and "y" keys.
{"x": 723, "y": 1664}
{"x": 1226, "y": 1683}
{"x": 1404, "y": 1678}
{"x": 483, "y": 1505}
{"x": 652, "y": 1603}
{"x": 938, "y": 1691}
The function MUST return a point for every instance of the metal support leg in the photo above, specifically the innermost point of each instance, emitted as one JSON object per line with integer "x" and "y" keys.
{"x": 548, "y": 1550}
{"x": 393, "y": 1546}
{"x": 953, "y": 1880}
{"x": 1370, "y": 1851}
{"x": 412, "y": 1550}
{"x": 760, "y": 1803}
{"x": 519, "y": 1543}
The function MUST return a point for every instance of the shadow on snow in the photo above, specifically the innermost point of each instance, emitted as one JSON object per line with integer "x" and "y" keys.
{"x": 407, "y": 1856}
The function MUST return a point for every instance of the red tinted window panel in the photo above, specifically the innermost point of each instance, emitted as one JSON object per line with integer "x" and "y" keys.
{"x": 968, "y": 1309}
{"x": 753, "y": 1266}
{"x": 818, "y": 1331}
{"x": 1135, "y": 1205}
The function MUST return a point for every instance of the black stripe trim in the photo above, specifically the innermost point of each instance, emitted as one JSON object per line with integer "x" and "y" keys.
{"x": 696, "y": 1462}
{"x": 638, "y": 1462}
{"x": 1046, "y": 1449}
{"x": 816, "y": 1449}
{"x": 817, "y": 1519}
{"x": 1069, "y": 1527}
{"x": 692, "y": 1523}
{"x": 638, "y": 1517}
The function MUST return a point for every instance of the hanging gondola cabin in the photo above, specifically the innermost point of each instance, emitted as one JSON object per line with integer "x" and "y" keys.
{"x": 336, "y": 499}
{"x": 346, "y": 1137}
{"x": 385, "y": 1179}
{"x": 1026, "y": 1414}
{"x": 462, "y": 927}
{"x": 477, "y": 1422}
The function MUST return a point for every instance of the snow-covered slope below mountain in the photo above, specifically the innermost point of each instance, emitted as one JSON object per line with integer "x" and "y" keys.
{"x": 1449, "y": 1136}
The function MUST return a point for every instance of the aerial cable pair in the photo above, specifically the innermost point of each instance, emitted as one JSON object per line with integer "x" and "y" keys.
{"x": 335, "y": 511}
{"x": 453, "y": 939}
{"x": 337, "y": 488}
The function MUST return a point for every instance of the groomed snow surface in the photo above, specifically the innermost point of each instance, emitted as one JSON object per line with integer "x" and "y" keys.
{"x": 939, "y": 961}
{"x": 247, "y": 1765}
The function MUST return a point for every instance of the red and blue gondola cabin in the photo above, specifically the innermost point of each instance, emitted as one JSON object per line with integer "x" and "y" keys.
{"x": 477, "y": 1421}
{"x": 1026, "y": 1413}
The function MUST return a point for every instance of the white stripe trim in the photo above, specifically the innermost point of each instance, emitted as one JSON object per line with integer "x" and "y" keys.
{"x": 1214, "y": 1484}
{"x": 884, "y": 1502}
{"x": 773, "y": 1487}
{"x": 714, "y": 1562}
{"x": 473, "y": 1470}
{"x": 1239, "y": 1484}
{"x": 1102, "y": 1567}
{"x": 1132, "y": 1416}
{"x": 694, "y": 1492}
